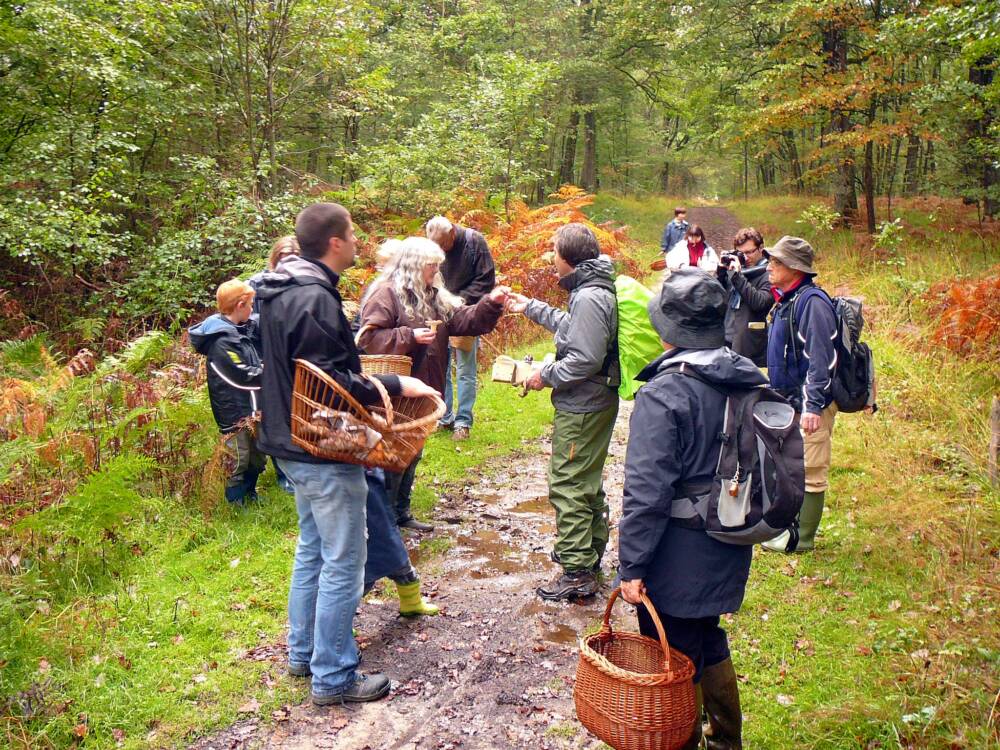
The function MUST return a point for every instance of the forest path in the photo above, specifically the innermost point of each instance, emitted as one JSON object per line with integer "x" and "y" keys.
{"x": 496, "y": 668}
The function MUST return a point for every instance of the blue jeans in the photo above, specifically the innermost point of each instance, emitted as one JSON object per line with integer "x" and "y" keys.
{"x": 465, "y": 375}
{"x": 328, "y": 573}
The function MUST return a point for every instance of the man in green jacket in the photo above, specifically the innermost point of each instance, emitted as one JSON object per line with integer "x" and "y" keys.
{"x": 584, "y": 381}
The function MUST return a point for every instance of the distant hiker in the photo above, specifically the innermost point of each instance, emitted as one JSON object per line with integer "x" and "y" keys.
{"x": 233, "y": 373}
{"x": 584, "y": 381}
{"x": 673, "y": 444}
{"x": 469, "y": 273}
{"x": 693, "y": 251}
{"x": 302, "y": 317}
{"x": 801, "y": 361}
{"x": 282, "y": 248}
{"x": 675, "y": 230}
{"x": 744, "y": 275}
{"x": 410, "y": 312}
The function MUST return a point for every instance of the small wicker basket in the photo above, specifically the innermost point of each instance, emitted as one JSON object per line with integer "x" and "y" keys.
{"x": 628, "y": 694}
{"x": 404, "y": 423}
{"x": 383, "y": 364}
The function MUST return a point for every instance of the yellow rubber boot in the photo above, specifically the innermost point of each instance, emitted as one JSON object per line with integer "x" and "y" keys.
{"x": 411, "y": 603}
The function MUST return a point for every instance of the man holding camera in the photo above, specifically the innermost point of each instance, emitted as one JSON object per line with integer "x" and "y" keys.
{"x": 743, "y": 273}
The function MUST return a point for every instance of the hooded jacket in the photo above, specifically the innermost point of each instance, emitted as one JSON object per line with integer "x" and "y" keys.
{"x": 233, "y": 367}
{"x": 391, "y": 332}
{"x": 468, "y": 268}
{"x": 749, "y": 302}
{"x": 674, "y": 440}
{"x": 678, "y": 257}
{"x": 302, "y": 318}
{"x": 585, "y": 376}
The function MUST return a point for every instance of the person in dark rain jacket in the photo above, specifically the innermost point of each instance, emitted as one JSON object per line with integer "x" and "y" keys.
{"x": 233, "y": 373}
{"x": 690, "y": 578}
{"x": 750, "y": 300}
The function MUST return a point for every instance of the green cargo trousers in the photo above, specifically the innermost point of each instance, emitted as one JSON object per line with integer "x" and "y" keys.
{"x": 576, "y": 490}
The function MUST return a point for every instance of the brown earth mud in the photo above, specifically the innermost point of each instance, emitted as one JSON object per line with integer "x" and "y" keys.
{"x": 496, "y": 668}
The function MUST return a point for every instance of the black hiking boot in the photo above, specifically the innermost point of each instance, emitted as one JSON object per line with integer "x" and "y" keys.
{"x": 365, "y": 688}
{"x": 596, "y": 567}
{"x": 569, "y": 585}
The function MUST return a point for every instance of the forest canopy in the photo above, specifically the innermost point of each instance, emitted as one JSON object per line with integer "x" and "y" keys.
{"x": 150, "y": 149}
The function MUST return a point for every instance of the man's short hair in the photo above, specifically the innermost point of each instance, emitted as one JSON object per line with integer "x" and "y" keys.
{"x": 438, "y": 226}
{"x": 230, "y": 293}
{"x": 680, "y": 210}
{"x": 317, "y": 224}
{"x": 575, "y": 243}
{"x": 748, "y": 234}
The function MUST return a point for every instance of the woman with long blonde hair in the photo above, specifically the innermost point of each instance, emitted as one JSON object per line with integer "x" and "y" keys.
{"x": 410, "y": 312}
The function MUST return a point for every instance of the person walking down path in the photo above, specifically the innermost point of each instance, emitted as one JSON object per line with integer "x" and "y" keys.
{"x": 801, "y": 360}
{"x": 675, "y": 230}
{"x": 584, "y": 380}
{"x": 690, "y": 578}
{"x": 468, "y": 272}
{"x": 302, "y": 317}
{"x": 410, "y": 312}
{"x": 693, "y": 250}
{"x": 233, "y": 374}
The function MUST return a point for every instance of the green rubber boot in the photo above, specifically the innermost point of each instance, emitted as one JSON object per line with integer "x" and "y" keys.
{"x": 809, "y": 518}
{"x": 411, "y": 603}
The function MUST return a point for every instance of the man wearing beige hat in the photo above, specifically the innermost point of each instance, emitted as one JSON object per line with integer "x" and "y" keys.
{"x": 801, "y": 362}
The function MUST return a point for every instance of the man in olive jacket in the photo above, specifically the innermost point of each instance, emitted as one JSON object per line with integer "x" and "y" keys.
{"x": 674, "y": 443}
{"x": 584, "y": 381}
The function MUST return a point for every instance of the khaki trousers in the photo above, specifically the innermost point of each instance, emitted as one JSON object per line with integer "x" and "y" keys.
{"x": 819, "y": 451}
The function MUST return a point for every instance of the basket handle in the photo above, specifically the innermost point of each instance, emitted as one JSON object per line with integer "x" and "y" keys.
{"x": 606, "y": 626}
{"x": 386, "y": 401}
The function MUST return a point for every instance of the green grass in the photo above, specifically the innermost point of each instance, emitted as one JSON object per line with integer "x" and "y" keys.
{"x": 886, "y": 636}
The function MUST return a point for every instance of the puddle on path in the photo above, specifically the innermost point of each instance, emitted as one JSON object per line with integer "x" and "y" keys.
{"x": 538, "y": 505}
{"x": 492, "y": 553}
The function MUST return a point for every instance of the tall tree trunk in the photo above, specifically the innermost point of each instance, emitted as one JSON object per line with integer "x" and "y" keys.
{"x": 868, "y": 179}
{"x": 568, "y": 165}
{"x": 588, "y": 175}
{"x": 981, "y": 74}
{"x": 911, "y": 172}
{"x": 845, "y": 199}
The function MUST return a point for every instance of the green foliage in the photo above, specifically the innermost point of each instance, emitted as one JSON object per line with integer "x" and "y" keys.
{"x": 819, "y": 217}
{"x": 101, "y": 502}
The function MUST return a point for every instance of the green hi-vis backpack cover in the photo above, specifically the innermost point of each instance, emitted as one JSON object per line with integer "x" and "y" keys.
{"x": 638, "y": 342}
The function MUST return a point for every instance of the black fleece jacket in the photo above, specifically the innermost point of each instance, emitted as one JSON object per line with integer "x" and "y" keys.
{"x": 468, "y": 269}
{"x": 301, "y": 318}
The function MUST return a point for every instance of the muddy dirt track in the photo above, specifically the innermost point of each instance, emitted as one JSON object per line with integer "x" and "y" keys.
{"x": 496, "y": 668}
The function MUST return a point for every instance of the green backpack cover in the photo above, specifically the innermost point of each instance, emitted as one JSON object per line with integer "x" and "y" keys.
{"x": 638, "y": 342}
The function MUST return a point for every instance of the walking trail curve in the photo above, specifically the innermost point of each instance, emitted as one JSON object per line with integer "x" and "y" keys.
{"x": 496, "y": 668}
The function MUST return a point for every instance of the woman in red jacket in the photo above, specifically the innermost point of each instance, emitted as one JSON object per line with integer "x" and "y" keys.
{"x": 410, "y": 312}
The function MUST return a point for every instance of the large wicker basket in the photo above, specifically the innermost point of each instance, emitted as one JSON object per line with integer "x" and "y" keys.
{"x": 404, "y": 423}
{"x": 628, "y": 694}
{"x": 383, "y": 364}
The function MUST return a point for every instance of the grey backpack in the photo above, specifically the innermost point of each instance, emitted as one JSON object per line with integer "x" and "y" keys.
{"x": 760, "y": 475}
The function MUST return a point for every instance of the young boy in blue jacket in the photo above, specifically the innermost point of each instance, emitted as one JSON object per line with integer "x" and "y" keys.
{"x": 234, "y": 368}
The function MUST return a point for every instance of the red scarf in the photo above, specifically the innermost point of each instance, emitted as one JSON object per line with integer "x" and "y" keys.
{"x": 695, "y": 252}
{"x": 779, "y": 293}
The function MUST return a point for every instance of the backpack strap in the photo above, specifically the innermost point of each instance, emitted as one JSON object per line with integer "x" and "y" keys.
{"x": 793, "y": 316}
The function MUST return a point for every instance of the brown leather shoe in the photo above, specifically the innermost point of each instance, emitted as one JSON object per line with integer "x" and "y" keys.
{"x": 460, "y": 434}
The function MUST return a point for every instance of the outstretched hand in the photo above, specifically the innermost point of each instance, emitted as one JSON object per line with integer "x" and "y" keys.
{"x": 534, "y": 381}
{"x": 424, "y": 335}
{"x": 499, "y": 294}
{"x": 517, "y": 303}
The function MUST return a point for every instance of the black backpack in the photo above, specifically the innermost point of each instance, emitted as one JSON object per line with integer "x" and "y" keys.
{"x": 760, "y": 475}
{"x": 854, "y": 379}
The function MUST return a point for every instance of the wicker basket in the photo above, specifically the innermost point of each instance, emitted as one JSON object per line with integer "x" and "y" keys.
{"x": 383, "y": 364}
{"x": 627, "y": 696}
{"x": 404, "y": 423}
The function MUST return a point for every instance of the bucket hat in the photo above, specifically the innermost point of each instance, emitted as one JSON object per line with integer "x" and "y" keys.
{"x": 690, "y": 310}
{"x": 794, "y": 252}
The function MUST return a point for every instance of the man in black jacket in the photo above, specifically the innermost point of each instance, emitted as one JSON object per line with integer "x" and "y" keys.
{"x": 673, "y": 444}
{"x": 302, "y": 318}
{"x": 468, "y": 271}
{"x": 233, "y": 373}
{"x": 744, "y": 274}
